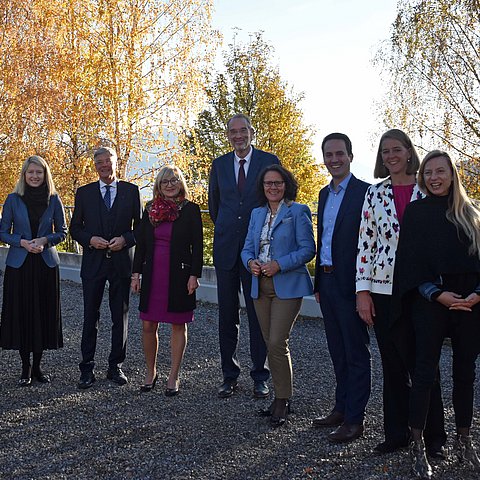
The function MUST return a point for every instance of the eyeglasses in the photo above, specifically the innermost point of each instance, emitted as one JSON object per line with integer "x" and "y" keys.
{"x": 173, "y": 181}
{"x": 277, "y": 184}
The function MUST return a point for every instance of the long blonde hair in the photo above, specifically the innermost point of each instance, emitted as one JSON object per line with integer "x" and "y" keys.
{"x": 462, "y": 211}
{"x": 39, "y": 161}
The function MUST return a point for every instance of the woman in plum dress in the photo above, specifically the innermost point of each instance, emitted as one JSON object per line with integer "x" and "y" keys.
{"x": 169, "y": 258}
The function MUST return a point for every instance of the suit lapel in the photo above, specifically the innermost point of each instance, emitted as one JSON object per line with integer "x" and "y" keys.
{"x": 321, "y": 207}
{"x": 347, "y": 198}
{"x": 22, "y": 205}
{"x": 46, "y": 214}
{"x": 229, "y": 170}
{"x": 260, "y": 221}
{"x": 119, "y": 200}
{"x": 252, "y": 175}
{"x": 280, "y": 216}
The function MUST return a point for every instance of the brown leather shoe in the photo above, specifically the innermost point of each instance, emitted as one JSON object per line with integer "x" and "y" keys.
{"x": 334, "y": 419}
{"x": 345, "y": 433}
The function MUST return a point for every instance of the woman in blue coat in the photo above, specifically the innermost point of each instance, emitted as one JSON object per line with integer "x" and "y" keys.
{"x": 33, "y": 222}
{"x": 278, "y": 245}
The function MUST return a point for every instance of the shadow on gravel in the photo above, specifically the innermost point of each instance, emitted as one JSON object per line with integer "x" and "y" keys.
{"x": 56, "y": 431}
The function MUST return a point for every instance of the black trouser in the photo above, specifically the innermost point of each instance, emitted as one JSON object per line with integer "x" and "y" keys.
{"x": 118, "y": 295}
{"x": 397, "y": 349}
{"x": 228, "y": 287}
{"x": 433, "y": 322}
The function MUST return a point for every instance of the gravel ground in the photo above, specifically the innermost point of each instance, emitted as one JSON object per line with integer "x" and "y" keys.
{"x": 56, "y": 431}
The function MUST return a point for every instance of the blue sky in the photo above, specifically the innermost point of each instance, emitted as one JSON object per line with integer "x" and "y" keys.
{"x": 323, "y": 48}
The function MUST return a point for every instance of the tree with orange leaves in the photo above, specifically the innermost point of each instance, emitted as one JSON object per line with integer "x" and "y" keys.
{"x": 79, "y": 74}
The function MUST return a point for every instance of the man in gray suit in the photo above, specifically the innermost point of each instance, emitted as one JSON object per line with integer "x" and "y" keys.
{"x": 231, "y": 198}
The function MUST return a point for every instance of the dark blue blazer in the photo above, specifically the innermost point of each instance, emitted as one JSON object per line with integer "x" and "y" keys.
{"x": 229, "y": 210}
{"x": 87, "y": 223}
{"x": 345, "y": 235}
{"x": 15, "y": 226}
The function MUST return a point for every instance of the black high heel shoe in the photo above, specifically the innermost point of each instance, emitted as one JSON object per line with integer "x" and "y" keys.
{"x": 267, "y": 412}
{"x": 26, "y": 378}
{"x": 148, "y": 387}
{"x": 171, "y": 392}
{"x": 42, "y": 377}
{"x": 278, "y": 421}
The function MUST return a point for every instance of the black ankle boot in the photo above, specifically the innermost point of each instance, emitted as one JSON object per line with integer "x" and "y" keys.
{"x": 466, "y": 452}
{"x": 420, "y": 466}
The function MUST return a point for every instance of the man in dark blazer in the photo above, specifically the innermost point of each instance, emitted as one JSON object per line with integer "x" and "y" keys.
{"x": 231, "y": 198}
{"x": 339, "y": 212}
{"x": 105, "y": 214}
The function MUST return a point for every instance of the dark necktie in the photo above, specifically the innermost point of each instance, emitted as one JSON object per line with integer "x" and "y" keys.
{"x": 241, "y": 176}
{"x": 106, "y": 198}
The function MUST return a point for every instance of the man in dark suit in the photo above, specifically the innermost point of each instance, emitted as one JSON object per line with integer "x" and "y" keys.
{"x": 231, "y": 198}
{"x": 103, "y": 220}
{"x": 339, "y": 212}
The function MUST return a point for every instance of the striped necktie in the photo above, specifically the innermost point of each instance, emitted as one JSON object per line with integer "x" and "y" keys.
{"x": 107, "y": 198}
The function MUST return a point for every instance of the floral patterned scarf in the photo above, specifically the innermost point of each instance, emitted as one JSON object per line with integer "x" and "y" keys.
{"x": 163, "y": 210}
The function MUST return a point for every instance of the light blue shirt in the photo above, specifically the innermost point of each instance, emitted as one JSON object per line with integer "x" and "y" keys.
{"x": 330, "y": 212}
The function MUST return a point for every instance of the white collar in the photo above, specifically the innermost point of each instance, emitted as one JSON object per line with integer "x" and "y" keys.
{"x": 247, "y": 157}
{"x": 103, "y": 184}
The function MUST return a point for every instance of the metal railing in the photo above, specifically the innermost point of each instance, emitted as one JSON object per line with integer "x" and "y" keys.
{"x": 70, "y": 245}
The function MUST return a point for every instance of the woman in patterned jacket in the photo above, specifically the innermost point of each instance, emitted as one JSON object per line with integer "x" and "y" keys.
{"x": 382, "y": 213}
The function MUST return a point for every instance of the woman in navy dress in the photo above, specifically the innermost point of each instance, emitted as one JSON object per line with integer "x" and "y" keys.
{"x": 169, "y": 257}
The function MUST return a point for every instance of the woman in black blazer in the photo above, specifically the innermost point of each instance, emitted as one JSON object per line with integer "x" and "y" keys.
{"x": 169, "y": 256}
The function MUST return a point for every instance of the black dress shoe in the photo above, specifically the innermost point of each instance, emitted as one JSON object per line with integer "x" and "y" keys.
{"x": 333, "y": 419}
{"x": 117, "y": 376}
{"x": 346, "y": 432}
{"x": 260, "y": 390}
{"x": 86, "y": 380}
{"x": 24, "y": 382}
{"x": 389, "y": 446}
{"x": 436, "y": 452}
{"x": 227, "y": 388}
{"x": 148, "y": 387}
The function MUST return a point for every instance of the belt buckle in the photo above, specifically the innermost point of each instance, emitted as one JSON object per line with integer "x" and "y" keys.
{"x": 327, "y": 268}
{"x": 108, "y": 254}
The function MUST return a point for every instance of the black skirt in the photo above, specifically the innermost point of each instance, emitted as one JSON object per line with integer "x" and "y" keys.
{"x": 31, "y": 316}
